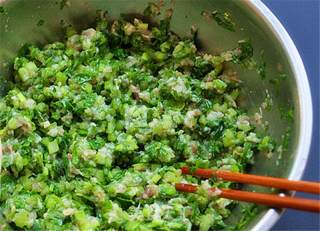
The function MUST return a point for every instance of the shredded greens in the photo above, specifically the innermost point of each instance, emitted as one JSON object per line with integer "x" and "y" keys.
{"x": 224, "y": 20}
{"x": 95, "y": 129}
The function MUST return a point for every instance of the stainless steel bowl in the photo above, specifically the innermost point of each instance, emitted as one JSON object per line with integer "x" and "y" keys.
{"x": 19, "y": 25}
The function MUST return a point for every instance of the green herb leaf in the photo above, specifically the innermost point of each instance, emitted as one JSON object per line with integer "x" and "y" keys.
{"x": 224, "y": 20}
{"x": 40, "y": 22}
{"x": 243, "y": 51}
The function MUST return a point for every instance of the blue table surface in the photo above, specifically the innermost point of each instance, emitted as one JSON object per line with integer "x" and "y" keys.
{"x": 301, "y": 20}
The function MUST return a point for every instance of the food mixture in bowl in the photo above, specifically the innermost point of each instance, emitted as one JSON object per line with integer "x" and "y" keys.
{"x": 94, "y": 130}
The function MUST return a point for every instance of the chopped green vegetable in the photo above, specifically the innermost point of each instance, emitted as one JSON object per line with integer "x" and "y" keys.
{"x": 95, "y": 129}
{"x": 243, "y": 51}
{"x": 62, "y": 4}
{"x": 224, "y": 20}
{"x": 53, "y": 147}
{"x": 287, "y": 113}
{"x": 153, "y": 9}
{"x": 40, "y": 22}
{"x": 278, "y": 82}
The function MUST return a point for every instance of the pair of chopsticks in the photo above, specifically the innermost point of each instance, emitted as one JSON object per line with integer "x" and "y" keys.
{"x": 276, "y": 201}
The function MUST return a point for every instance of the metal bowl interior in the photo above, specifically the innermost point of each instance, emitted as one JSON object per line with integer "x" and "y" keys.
{"x": 18, "y": 25}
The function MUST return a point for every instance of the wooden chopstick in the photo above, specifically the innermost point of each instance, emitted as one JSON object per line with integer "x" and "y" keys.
{"x": 275, "y": 201}
{"x": 301, "y": 186}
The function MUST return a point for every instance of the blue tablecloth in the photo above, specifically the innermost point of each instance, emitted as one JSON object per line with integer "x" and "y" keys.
{"x": 301, "y": 20}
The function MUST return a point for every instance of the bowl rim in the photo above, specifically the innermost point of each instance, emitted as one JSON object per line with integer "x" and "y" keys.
{"x": 304, "y": 101}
